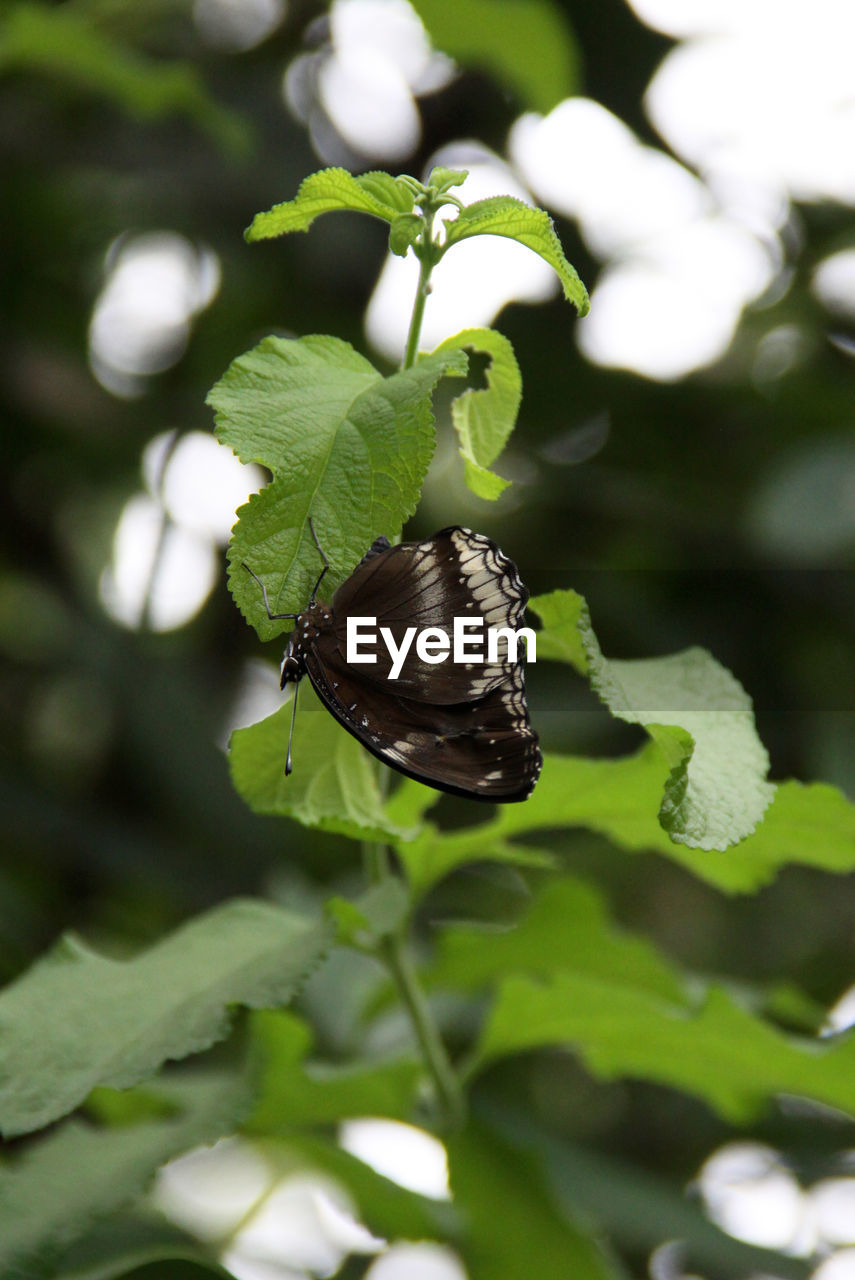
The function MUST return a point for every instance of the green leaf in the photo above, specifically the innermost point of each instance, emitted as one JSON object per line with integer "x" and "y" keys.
{"x": 507, "y": 216}
{"x": 638, "y": 1209}
{"x": 346, "y": 446}
{"x": 376, "y": 914}
{"x": 329, "y": 190}
{"x": 567, "y": 927}
{"x": 485, "y": 419}
{"x": 433, "y": 854}
{"x": 404, "y": 233}
{"x": 512, "y": 1227}
{"x": 719, "y": 1052}
{"x": 132, "y": 1245}
{"x": 813, "y": 825}
{"x": 527, "y": 44}
{"x": 52, "y": 1192}
{"x": 442, "y": 179}
{"x": 334, "y": 784}
{"x": 296, "y": 1092}
{"x": 122, "y": 1018}
{"x": 64, "y": 43}
{"x": 696, "y": 712}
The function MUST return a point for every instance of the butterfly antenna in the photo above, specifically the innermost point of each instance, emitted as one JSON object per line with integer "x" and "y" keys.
{"x": 274, "y": 617}
{"x": 323, "y": 557}
{"x": 291, "y": 731}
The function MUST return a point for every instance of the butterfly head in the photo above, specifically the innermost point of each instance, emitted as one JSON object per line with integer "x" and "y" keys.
{"x": 307, "y": 627}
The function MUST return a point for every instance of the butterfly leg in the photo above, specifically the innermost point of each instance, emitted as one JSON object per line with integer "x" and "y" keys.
{"x": 323, "y": 557}
{"x": 274, "y": 617}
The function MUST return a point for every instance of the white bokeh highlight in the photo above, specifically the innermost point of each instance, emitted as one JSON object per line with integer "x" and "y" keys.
{"x": 409, "y": 1156}
{"x": 679, "y": 269}
{"x": 749, "y": 1192}
{"x": 417, "y": 1262}
{"x": 833, "y": 283}
{"x": 358, "y": 94}
{"x": 156, "y": 283}
{"x": 758, "y": 86}
{"x": 165, "y": 559}
{"x": 237, "y": 25}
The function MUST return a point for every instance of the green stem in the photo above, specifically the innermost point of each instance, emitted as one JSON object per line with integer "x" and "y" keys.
{"x": 393, "y": 949}
{"x": 446, "y": 1083}
{"x": 422, "y": 291}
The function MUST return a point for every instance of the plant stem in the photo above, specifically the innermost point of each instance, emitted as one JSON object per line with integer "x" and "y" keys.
{"x": 422, "y": 291}
{"x": 448, "y": 1090}
{"x": 393, "y": 949}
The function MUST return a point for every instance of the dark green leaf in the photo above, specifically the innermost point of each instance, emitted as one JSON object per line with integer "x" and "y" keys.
{"x": 527, "y": 44}
{"x": 512, "y": 1227}
{"x": 52, "y": 1192}
{"x": 62, "y": 41}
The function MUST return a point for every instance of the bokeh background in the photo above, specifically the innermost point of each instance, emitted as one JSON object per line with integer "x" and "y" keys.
{"x": 685, "y": 456}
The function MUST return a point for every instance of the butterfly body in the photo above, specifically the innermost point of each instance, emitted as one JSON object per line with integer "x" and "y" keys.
{"x": 459, "y": 726}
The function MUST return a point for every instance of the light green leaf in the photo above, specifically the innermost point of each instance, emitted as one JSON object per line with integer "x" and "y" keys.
{"x": 485, "y": 419}
{"x": 813, "y": 825}
{"x": 512, "y": 1227}
{"x": 63, "y": 42}
{"x": 57, "y": 1187}
{"x": 567, "y": 927}
{"x": 294, "y": 1091}
{"x": 527, "y": 44}
{"x": 433, "y": 854}
{"x": 696, "y": 712}
{"x": 329, "y": 190}
{"x": 346, "y": 446}
{"x": 507, "y": 216}
{"x": 122, "y": 1018}
{"x": 334, "y": 782}
{"x": 404, "y": 232}
{"x": 378, "y": 913}
{"x": 720, "y": 1052}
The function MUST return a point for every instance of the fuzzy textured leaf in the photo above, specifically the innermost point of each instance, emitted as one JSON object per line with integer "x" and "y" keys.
{"x": 696, "y": 712}
{"x": 334, "y": 783}
{"x": 813, "y": 825}
{"x": 507, "y": 216}
{"x": 527, "y": 44}
{"x": 718, "y": 1052}
{"x": 328, "y": 190}
{"x": 485, "y": 419}
{"x": 52, "y": 1192}
{"x": 346, "y": 446}
{"x": 122, "y": 1018}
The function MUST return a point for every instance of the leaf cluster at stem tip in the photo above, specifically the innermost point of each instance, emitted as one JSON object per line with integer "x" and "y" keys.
{"x": 410, "y": 208}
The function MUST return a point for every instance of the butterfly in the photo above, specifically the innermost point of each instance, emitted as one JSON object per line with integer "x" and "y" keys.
{"x": 462, "y": 727}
